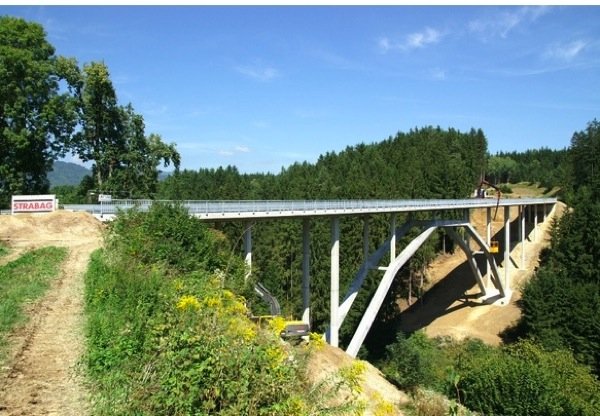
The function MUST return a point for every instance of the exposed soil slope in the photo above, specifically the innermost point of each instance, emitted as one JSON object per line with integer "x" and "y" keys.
{"x": 450, "y": 306}
{"x": 375, "y": 388}
{"x": 40, "y": 376}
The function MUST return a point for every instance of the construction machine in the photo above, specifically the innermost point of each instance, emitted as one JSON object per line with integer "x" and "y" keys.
{"x": 291, "y": 329}
{"x": 482, "y": 193}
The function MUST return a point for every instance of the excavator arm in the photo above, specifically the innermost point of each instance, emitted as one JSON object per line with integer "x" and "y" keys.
{"x": 291, "y": 329}
{"x": 494, "y": 246}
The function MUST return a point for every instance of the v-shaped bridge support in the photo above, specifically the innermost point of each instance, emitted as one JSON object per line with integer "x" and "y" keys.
{"x": 396, "y": 264}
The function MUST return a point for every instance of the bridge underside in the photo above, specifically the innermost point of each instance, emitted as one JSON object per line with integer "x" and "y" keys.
{"x": 493, "y": 287}
{"x": 390, "y": 272}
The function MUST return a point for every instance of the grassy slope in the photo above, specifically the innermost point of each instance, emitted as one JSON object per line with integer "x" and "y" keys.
{"x": 25, "y": 280}
{"x": 531, "y": 190}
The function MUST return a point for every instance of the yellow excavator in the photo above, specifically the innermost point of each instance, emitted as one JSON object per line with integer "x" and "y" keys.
{"x": 291, "y": 329}
{"x": 481, "y": 193}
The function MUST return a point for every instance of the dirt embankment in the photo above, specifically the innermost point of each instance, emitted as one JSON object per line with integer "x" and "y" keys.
{"x": 40, "y": 375}
{"x": 450, "y": 305}
{"x": 376, "y": 391}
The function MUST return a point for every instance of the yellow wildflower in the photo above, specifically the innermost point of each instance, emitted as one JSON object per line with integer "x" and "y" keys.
{"x": 228, "y": 295}
{"x": 277, "y": 325}
{"x": 188, "y": 302}
{"x": 316, "y": 340}
{"x": 275, "y": 356}
{"x": 212, "y": 302}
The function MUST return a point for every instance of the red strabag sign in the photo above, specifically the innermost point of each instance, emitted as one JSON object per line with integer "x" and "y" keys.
{"x": 33, "y": 203}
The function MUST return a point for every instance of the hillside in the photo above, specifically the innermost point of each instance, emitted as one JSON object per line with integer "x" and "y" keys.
{"x": 67, "y": 173}
{"x": 449, "y": 306}
{"x": 40, "y": 376}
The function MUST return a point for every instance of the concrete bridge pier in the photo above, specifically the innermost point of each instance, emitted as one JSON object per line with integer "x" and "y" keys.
{"x": 488, "y": 240}
{"x": 334, "y": 299}
{"x": 306, "y": 270}
{"x": 522, "y": 234}
{"x": 506, "y": 246}
{"x": 248, "y": 249}
{"x": 535, "y": 223}
{"x": 392, "y": 236}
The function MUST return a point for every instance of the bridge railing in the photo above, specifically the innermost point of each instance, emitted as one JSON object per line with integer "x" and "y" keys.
{"x": 291, "y": 206}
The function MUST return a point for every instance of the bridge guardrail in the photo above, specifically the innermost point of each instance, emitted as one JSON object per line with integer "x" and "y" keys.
{"x": 316, "y": 207}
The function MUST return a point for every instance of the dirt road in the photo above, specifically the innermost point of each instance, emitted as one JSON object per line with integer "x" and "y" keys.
{"x": 41, "y": 374}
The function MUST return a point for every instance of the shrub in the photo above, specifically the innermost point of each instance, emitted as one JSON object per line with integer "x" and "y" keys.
{"x": 167, "y": 338}
{"x": 523, "y": 379}
{"x": 505, "y": 189}
{"x": 415, "y": 361}
{"x": 168, "y": 237}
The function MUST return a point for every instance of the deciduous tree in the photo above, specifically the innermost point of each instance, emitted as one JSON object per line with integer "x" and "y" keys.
{"x": 38, "y": 111}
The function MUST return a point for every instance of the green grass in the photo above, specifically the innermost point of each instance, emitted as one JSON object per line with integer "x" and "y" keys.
{"x": 531, "y": 190}
{"x": 3, "y": 251}
{"x": 25, "y": 280}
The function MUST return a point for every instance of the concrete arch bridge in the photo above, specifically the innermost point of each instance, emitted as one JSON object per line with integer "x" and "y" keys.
{"x": 494, "y": 287}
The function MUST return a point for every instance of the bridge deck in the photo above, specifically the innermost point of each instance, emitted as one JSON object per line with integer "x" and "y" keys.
{"x": 262, "y": 209}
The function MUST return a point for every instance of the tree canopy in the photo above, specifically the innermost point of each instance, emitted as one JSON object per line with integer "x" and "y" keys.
{"x": 37, "y": 116}
{"x": 51, "y": 107}
{"x": 561, "y": 304}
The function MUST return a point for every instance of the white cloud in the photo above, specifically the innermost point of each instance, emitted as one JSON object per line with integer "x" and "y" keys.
{"x": 259, "y": 73}
{"x": 384, "y": 44}
{"x": 420, "y": 39}
{"x": 242, "y": 149}
{"x": 415, "y": 40}
{"x": 503, "y": 23}
{"x": 234, "y": 150}
{"x": 565, "y": 52}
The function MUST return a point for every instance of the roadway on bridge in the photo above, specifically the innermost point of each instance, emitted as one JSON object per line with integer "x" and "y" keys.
{"x": 231, "y": 210}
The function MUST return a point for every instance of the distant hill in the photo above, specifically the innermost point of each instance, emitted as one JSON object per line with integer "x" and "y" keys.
{"x": 67, "y": 173}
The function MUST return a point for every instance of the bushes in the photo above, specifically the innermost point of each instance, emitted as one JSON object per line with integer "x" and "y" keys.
{"x": 167, "y": 237}
{"x": 561, "y": 303}
{"x": 168, "y": 338}
{"x": 414, "y": 361}
{"x": 523, "y": 379}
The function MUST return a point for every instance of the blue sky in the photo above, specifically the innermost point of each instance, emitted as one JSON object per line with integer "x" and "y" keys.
{"x": 264, "y": 87}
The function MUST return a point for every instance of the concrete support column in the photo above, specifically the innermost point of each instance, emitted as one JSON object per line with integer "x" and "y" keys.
{"x": 248, "y": 249}
{"x": 392, "y": 237}
{"x": 467, "y": 217}
{"x": 335, "y": 283}
{"x": 506, "y": 246}
{"x": 522, "y": 229}
{"x": 306, "y": 270}
{"x": 365, "y": 238}
{"x": 535, "y": 221}
{"x": 488, "y": 240}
